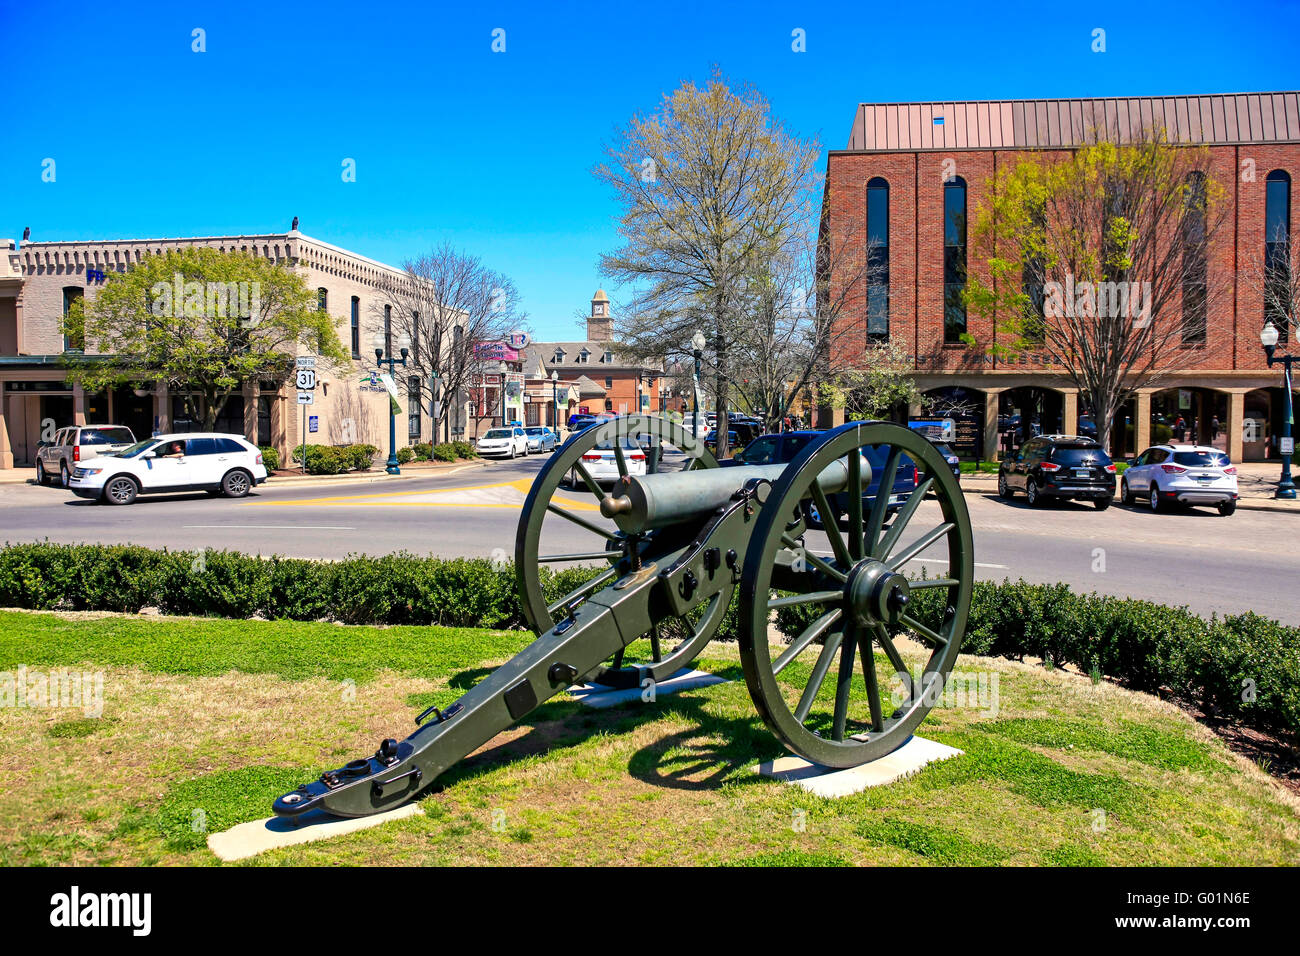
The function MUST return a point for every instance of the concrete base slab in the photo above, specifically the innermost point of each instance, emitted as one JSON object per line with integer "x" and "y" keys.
{"x": 258, "y": 836}
{"x": 596, "y": 695}
{"x": 828, "y": 782}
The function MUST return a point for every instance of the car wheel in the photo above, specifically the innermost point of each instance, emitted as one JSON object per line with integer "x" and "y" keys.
{"x": 65, "y": 478}
{"x": 121, "y": 491}
{"x": 236, "y": 484}
{"x": 41, "y": 477}
{"x": 1227, "y": 507}
{"x": 1125, "y": 495}
{"x": 1031, "y": 493}
{"x": 1004, "y": 490}
{"x": 1155, "y": 497}
{"x": 1101, "y": 503}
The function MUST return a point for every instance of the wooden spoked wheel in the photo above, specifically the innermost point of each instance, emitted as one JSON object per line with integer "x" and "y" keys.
{"x": 567, "y": 493}
{"x": 852, "y": 595}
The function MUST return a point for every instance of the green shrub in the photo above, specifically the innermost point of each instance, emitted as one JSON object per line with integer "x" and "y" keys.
{"x": 423, "y": 451}
{"x": 404, "y": 455}
{"x": 325, "y": 460}
{"x": 360, "y": 457}
{"x": 270, "y": 458}
{"x": 464, "y": 449}
{"x": 445, "y": 452}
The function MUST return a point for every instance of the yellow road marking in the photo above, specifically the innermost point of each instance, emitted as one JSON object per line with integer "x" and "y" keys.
{"x": 522, "y": 485}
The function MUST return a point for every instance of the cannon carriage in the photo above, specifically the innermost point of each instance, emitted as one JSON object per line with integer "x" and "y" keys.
{"x": 672, "y": 541}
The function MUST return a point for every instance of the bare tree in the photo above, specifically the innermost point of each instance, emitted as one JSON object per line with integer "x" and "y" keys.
{"x": 446, "y": 302}
{"x": 708, "y": 186}
{"x": 1099, "y": 261}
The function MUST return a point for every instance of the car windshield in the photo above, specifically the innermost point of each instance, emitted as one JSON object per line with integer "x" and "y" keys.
{"x": 1078, "y": 454}
{"x": 138, "y": 447}
{"x": 536, "y": 431}
{"x": 1201, "y": 459}
{"x": 498, "y": 433}
{"x": 106, "y": 436}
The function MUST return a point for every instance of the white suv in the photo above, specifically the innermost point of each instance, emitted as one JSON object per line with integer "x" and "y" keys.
{"x": 1187, "y": 474}
{"x": 74, "y": 445}
{"x": 506, "y": 442}
{"x": 194, "y": 461}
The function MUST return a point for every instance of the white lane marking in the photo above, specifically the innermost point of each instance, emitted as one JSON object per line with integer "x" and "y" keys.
{"x": 274, "y": 527}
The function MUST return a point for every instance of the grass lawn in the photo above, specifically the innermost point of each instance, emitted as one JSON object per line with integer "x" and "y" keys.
{"x": 204, "y": 722}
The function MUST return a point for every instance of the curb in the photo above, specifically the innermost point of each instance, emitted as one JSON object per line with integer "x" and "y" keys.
{"x": 1254, "y": 504}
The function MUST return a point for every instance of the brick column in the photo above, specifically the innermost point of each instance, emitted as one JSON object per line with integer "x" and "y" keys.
{"x": 78, "y": 405}
{"x": 1236, "y": 423}
{"x": 1143, "y": 423}
{"x": 250, "y": 411}
{"x": 991, "y": 450}
{"x": 6, "y": 450}
{"x": 1070, "y": 414}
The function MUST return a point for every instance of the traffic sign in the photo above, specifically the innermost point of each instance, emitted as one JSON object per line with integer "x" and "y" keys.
{"x": 306, "y": 398}
{"x": 307, "y": 378}
{"x": 306, "y": 361}
{"x": 1288, "y": 446}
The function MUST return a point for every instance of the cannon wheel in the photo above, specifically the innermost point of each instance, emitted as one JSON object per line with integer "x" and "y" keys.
{"x": 855, "y": 598}
{"x": 614, "y": 550}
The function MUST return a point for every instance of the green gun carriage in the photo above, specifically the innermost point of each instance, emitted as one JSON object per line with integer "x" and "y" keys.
{"x": 669, "y": 549}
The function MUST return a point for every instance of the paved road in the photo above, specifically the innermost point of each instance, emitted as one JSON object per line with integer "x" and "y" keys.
{"x": 1249, "y": 561}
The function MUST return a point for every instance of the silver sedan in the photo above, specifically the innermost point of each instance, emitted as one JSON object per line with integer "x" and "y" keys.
{"x": 540, "y": 439}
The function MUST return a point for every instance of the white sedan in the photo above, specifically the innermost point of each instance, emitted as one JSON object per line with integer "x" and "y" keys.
{"x": 601, "y": 462}
{"x": 195, "y": 461}
{"x": 1185, "y": 474}
{"x": 503, "y": 443}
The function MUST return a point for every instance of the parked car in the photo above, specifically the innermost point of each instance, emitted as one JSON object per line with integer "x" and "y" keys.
{"x": 699, "y": 429}
{"x": 1087, "y": 427}
{"x": 950, "y": 456}
{"x": 1183, "y": 474}
{"x": 71, "y": 446}
{"x": 580, "y": 420}
{"x": 1059, "y": 466}
{"x": 508, "y": 442}
{"x": 782, "y": 448}
{"x": 601, "y": 463}
{"x": 711, "y": 439}
{"x": 194, "y": 461}
{"x": 540, "y": 439}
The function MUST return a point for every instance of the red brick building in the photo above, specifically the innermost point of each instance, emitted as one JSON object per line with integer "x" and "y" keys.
{"x": 911, "y": 169}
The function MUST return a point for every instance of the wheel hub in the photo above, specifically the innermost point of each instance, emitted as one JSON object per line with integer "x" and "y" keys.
{"x": 876, "y": 594}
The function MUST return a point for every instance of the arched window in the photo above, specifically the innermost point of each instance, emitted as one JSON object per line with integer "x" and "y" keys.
{"x": 954, "y": 259}
{"x": 322, "y": 299}
{"x": 1033, "y": 278}
{"x": 1194, "y": 262}
{"x": 1277, "y": 251}
{"x": 877, "y": 260}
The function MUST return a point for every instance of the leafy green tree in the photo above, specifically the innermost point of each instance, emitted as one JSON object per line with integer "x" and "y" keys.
{"x": 880, "y": 381}
{"x": 202, "y": 322}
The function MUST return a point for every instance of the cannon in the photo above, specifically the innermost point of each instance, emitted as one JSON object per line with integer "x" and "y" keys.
{"x": 673, "y": 538}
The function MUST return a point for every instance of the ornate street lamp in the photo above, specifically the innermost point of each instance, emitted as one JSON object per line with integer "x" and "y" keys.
{"x": 379, "y": 341}
{"x": 555, "y": 400}
{"x": 697, "y": 344}
{"x": 1268, "y": 337}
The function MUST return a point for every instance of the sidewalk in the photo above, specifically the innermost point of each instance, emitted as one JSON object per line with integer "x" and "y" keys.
{"x": 1256, "y": 482}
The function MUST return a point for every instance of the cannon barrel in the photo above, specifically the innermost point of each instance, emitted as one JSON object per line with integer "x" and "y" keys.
{"x": 644, "y": 502}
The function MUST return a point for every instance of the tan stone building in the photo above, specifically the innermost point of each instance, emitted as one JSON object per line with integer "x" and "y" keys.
{"x": 38, "y": 281}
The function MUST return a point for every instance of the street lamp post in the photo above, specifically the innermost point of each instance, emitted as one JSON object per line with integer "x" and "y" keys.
{"x": 697, "y": 345}
{"x": 1268, "y": 337}
{"x": 378, "y": 341}
{"x": 501, "y": 366}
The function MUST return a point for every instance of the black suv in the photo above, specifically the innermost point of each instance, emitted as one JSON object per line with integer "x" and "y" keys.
{"x": 1059, "y": 466}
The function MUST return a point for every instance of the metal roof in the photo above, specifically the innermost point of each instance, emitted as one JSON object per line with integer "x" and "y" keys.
{"x": 1218, "y": 119}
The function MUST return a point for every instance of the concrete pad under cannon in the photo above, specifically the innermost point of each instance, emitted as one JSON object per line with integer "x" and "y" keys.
{"x": 828, "y": 782}
{"x": 258, "y": 836}
{"x": 595, "y": 695}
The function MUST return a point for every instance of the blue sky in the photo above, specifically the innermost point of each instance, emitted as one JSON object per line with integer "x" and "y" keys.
{"x": 494, "y": 151}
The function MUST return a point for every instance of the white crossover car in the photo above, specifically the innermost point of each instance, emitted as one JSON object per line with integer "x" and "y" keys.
{"x": 1183, "y": 474}
{"x": 601, "y": 463}
{"x": 195, "y": 461}
{"x": 503, "y": 442}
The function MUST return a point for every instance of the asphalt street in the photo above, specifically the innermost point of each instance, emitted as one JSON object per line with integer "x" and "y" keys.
{"x": 1248, "y": 561}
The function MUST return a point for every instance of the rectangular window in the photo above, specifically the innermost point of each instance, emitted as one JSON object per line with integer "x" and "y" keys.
{"x": 413, "y": 407}
{"x": 609, "y": 382}
{"x": 1194, "y": 262}
{"x": 877, "y": 260}
{"x": 954, "y": 260}
{"x": 388, "y": 330}
{"x": 415, "y": 337}
{"x": 356, "y": 327}
{"x": 322, "y": 299}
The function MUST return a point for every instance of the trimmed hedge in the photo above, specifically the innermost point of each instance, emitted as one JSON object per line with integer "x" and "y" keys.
{"x": 333, "y": 459}
{"x": 394, "y": 589}
{"x": 270, "y": 457}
